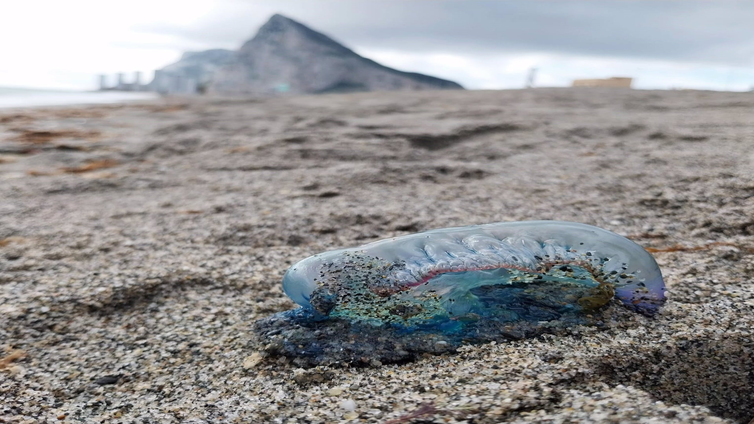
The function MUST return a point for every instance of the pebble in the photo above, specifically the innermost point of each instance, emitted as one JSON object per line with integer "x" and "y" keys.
{"x": 335, "y": 391}
{"x": 348, "y": 405}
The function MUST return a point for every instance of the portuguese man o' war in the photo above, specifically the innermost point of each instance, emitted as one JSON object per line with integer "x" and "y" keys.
{"x": 432, "y": 291}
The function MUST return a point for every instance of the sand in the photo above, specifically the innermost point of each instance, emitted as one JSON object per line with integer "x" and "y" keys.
{"x": 138, "y": 244}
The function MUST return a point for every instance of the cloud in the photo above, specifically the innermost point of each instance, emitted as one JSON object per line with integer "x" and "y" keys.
{"x": 690, "y": 31}
{"x": 511, "y": 70}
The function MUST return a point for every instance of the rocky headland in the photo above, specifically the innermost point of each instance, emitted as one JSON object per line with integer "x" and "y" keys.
{"x": 286, "y": 57}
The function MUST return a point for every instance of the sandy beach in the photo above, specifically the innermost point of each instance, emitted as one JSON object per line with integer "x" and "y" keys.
{"x": 140, "y": 242}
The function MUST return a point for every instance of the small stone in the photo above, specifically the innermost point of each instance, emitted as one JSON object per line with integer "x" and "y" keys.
{"x": 14, "y": 255}
{"x": 335, "y": 391}
{"x": 108, "y": 379}
{"x": 348, "y": 405}
{"x": 252, "y": 360}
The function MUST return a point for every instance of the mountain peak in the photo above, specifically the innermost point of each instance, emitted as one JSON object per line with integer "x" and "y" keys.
{"x": 286, "y": 56}
{"x": 280, "y": 18}
{"x": 277, "y": 22}
{"x": 280, "y": 27}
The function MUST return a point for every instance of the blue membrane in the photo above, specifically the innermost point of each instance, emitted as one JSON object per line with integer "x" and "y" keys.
{"x": 477, "y": 283}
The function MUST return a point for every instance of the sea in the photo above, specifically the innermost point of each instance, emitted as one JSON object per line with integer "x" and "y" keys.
{"x": 26, "y": 97}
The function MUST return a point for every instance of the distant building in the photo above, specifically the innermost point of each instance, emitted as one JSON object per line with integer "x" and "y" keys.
{"x": 121, "y": 84}
{"x": 616, "y": 82}
{"x": 530, "y": 78}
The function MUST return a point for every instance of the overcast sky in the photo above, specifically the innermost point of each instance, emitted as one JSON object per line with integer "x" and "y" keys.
{"x": 478, "y": 43}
